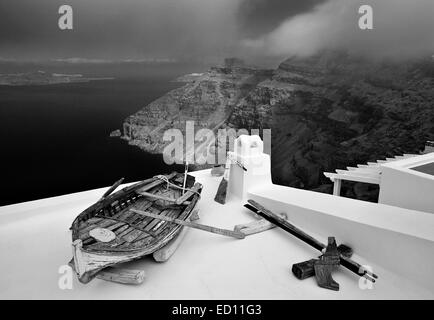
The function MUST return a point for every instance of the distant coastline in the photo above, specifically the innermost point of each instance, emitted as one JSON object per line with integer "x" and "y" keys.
{"x": 55, "y": 137}
{"x": 44, "y": 78}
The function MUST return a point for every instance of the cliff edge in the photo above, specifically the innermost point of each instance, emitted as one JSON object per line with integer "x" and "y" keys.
{"x": 325, "y": 112}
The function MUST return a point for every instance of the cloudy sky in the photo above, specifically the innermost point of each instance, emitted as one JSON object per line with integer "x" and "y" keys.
{"x": 201, "y": 29}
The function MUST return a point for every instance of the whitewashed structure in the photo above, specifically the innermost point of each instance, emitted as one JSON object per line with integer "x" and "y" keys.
{"x": 405, "y": 181}
{"x": 397, "y": 243}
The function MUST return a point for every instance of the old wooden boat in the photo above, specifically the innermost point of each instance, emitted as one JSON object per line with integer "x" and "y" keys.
{"x": 109, "y": 232}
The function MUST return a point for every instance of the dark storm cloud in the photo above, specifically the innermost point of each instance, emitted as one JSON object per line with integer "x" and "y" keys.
{"x": 204, "y": 29}
{"x": 402, "y": 29}
{"x": 118, "y": 28}
{"x": 257, "y": 17}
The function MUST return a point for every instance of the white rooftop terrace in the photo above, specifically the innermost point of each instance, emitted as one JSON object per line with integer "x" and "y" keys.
{"x": 397, "y": 243}
{"x": 35, "y": 242}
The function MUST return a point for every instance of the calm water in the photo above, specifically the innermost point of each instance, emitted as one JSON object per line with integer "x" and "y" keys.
{"x": 55, "y": 139}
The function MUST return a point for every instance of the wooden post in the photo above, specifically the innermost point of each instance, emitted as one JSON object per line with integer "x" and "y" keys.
{"x": 337, "y": 187}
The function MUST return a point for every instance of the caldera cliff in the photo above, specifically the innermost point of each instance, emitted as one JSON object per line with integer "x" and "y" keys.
{"x": 325, "y": 112}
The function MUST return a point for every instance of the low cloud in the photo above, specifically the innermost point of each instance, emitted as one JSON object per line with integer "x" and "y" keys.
{"x": 402, "y": 29}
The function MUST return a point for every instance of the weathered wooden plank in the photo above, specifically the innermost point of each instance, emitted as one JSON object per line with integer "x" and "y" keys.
{"x": 125, "y": 218}
{"x": 118, "y": 222}
{"x": 133, "y": 235}
{"x": 154, "y": 222}
{"x": 113, "y": 200}
{"x": 154, "y": 184}
{"x": 118, "y": 275}
{"x": 88, "y": 222}
{"x": 156, "y": 196}
{"x": 106, "y": 245}
{"x": 124, "y": 276}
{"x": 112, "y": 188}
{"x": 164, "y": 225}
{"x": 143, "y": 240}
{"x": 254, "y": 227}
{"x": 188, "y": 194}
{"x": 229, "y": 233}
{"x": 165, "y": 253}
{"x": 168, "y": 250}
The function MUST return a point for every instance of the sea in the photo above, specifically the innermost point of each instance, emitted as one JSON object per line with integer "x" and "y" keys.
{"x": 55, "y": 139}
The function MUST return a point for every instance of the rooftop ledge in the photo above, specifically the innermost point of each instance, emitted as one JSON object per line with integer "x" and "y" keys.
{"x": 397, "y": 243}
{"x": 409, "y": 222}
{"x": 393, "y": 238}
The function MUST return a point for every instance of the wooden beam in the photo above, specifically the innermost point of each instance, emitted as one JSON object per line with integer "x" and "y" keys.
{"x": 354, "y": 178}
{"x": 118, "y": 275}
{"x": 373, "y": 171}
{"x": 124, "y": 276}
{"x": 330, "y": 175}
{"x": 360, "y": 173}
{"x": 254, "y": 227}
{"x": 202, "y": 227}
{"x": 363, "y": 166}
{"x": 373, "y": 164}
{"x": 166, "y": 252}
{"x": 188, "y": 194}
{"x": 156, "y": 196}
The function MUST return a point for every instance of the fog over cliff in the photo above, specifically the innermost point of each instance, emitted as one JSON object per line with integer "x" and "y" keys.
{"x": 204, "y": 29}
{"x": 402, "y": 29}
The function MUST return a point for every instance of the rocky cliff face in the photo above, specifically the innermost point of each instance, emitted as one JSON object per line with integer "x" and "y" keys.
{"x": 207, "y": 99}
{"x": 326, "y": 112}
{"x": 333, "y": 111}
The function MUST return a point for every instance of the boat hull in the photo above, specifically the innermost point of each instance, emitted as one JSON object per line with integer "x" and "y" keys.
{"x": 133, "y": 235}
